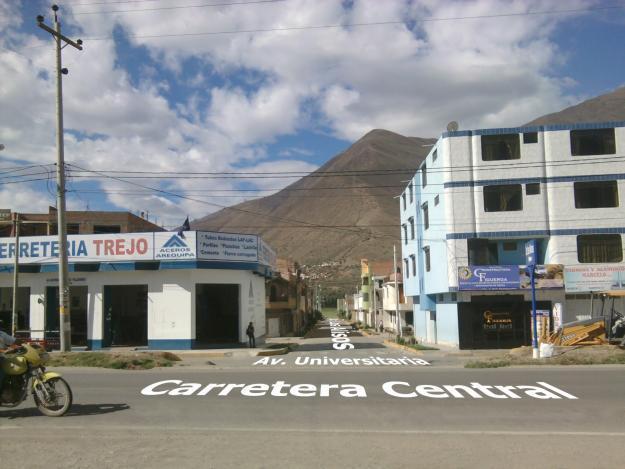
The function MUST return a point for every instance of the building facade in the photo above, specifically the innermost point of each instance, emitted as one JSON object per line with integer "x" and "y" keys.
{"x": 480, "y": 197}
{"x": 159, "y": 290}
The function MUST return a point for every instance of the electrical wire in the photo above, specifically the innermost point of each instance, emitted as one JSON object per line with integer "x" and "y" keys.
{"x": 179, "y": 7}
{"x": 363, "y": 24}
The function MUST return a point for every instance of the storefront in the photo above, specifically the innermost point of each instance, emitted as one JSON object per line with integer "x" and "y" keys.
{"x": 154, "y": 290}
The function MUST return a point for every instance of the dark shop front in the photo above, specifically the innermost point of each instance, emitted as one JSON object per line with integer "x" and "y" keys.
{"x": 496, "y": 321}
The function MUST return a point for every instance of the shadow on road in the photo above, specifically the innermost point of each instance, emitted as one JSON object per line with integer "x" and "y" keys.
{"x": 75, "y": 411}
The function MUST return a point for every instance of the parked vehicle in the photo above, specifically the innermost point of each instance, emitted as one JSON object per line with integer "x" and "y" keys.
{"x": 24, "y": 372}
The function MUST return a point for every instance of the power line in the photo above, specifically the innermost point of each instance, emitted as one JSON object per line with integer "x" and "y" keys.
{"x": 179, "y": 7}
{"x": 363, "y": 24}
{"x": 251, "y": 212}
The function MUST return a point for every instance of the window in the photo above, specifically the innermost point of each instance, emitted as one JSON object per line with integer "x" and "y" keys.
{"x": 405, "y": 228}
{"x": 532, "y": 188}
{"x": 440, "y": 298}
{"x": 411, "y": 221}
{"x": 365, "y": 280}
{"x": 482, "y": 252}
{"x": 403, "y": 199}
{"x": 411, "y": 191}
{"x": 599, "y": 248}
{"x": 413, "y": 260}
{"x": 73, "y": 228}
{"x": 406, "y": 267}
{"x": 365, "y": 296}
{"x": 503, "y": 198}
{"x": 500, "y": 147}
{"x": 103, "y": 229}
{"x": 424, "y": 175}
{"x": 426, "y": 252}
{"x": 530, "y": 137}
{"x": 596, "y": 194}
{"x": 434, "y": 155}
{"x": 454, "y": 297}
{"x": 509, "y": 246}
{"x": 426, "y": 218}
{"x": 592, "y": 142}
{"x": 436, "y": 200}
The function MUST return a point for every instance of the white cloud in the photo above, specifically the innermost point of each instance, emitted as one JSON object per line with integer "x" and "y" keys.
{"x": 250, "y": 89}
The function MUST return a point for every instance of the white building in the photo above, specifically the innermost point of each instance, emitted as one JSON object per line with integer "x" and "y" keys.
{"x": 391, "y": 306}
{"x": 155, "y": 290}
{"x": 480, "y": 196}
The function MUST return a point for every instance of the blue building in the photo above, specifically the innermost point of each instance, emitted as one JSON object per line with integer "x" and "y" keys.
{"x": 479, "y": 197}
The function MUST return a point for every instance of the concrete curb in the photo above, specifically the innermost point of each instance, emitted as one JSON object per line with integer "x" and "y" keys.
{"x": 270, "y": 352}
{"x": 392, "y": 344}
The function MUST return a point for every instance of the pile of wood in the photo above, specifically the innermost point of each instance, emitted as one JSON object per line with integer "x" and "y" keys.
{"x": 587, "y": 332}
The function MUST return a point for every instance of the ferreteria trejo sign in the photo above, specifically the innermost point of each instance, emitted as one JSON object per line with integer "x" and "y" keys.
{"x": 399, "y": 389}
{"x": 125, "y": 247}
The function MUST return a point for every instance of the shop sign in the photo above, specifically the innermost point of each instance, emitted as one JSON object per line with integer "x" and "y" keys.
{"x": 509, "y": 277}
{"x": 595, "y": 277}
{"x": 545, "y": 276}
{"x": 266, "y": 255}
{"x": 229, "y": 247}
{"x": 500, "y": 320}
{"x": 80, "y": 248}
{"x": 172, "y": 246}
{"x": 488, "y": 277}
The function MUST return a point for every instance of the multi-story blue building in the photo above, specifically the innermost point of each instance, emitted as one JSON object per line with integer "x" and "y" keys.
{"x": 479, "y": 197}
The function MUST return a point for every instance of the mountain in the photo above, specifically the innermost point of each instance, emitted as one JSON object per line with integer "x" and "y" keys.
{"x": 355, "y": 191}
{"x": 604, "y": 108}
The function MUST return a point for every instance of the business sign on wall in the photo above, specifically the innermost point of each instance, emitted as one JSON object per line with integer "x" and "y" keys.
{"x": 508, "y": 277}
{"x": 172, "y": 246}
{"x": 266, "y": 255}
{"x": 488, "y": 277}
{"x": 596, "y": 277}
{"x": 80, "y": 248}
{"x": 227, "y": 247}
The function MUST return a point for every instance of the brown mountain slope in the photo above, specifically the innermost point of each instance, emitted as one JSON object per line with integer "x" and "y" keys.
{"x": 300, "y": 221}
{"x": 604, "y": 108}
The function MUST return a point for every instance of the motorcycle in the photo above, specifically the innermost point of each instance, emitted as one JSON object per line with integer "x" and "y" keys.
{"x": 24, "y": 371}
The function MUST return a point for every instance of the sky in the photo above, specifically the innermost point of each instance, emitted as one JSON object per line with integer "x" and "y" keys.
{"x": 178, "y": 108}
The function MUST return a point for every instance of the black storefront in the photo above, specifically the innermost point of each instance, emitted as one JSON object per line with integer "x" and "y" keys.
{"x": 496, "y": 321}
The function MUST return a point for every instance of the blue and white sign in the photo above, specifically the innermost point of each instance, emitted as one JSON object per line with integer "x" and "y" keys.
{"x": 171, "y": 246}
{"x": 530, "y": 252}
{"x": 227, "y": 247}
{"x": 266, "y": 255}
{"x": 489, "y": 277}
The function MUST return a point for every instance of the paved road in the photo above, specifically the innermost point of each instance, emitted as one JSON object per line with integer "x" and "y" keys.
{"x": 113, "y": 425}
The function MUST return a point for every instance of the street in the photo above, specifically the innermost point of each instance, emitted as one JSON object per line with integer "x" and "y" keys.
{"x": 115, "y": 422}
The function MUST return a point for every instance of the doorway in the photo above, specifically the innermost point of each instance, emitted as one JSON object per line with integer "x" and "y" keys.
{"x": 217, "y": 313}
{"x": 78, "y": 296}
{"x": 23, "y": 310}
{"x": 125, "y": 316}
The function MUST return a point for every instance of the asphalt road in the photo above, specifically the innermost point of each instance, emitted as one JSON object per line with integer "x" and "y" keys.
{"x": 112, "y": 424}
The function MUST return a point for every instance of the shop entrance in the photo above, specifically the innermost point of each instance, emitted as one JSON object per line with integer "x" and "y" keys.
{"x": 23, "y": 310}
{"x": 216, "y": 314}
{"x": 125, "y": 315}
{"x": 78, "y": 316}
{"x": 496, "y": 321}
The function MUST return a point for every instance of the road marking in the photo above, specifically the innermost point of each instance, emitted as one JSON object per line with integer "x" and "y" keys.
{"x": 153, "y": 429}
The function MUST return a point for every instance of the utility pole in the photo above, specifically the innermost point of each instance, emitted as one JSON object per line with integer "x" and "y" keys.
{"x": 396, "y": 293}
{"x": 16, "y": 269}
{"x": 64, "y": 312}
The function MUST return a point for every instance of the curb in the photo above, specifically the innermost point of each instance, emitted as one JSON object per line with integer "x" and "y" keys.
{"x": 392, "y": 344}
{"x": 270, "y": 352}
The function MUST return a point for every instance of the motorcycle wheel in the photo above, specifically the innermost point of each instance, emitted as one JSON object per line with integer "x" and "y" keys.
{"x": 60, "y": 398}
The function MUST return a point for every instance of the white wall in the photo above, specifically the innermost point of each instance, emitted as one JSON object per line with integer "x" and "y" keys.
{"x": 171, "y": 298}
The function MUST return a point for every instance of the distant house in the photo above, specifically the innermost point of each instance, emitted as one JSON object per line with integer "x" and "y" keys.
{"x": 289, "y": 300}
{"x": 78, "y": 222}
